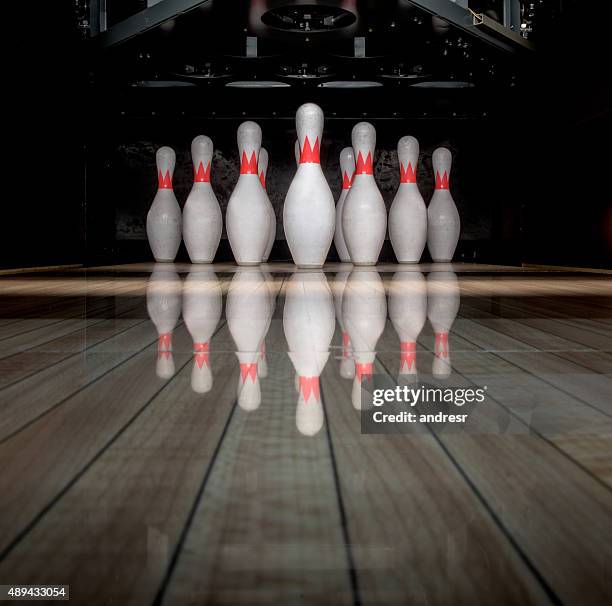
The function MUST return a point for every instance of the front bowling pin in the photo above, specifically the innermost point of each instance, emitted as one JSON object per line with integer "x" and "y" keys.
{"x": 248, "y": 312}
{"x": 443, "y": 300}
{"x": 202, "y": 219}
{"x": 443, "y": 223}
{"x": 408, "y": 311}
{"x": 248, "y": 218}
{"x": 164, "y": 309}
{"x": 201, "y": 312}
{"x": 364, "y": 218}
{"x": 347, "y": 168}
{"x": 408, "y": 214}
{"x": 164, "y": 216}
{"x": 309, "y": 323}
{"x": 309, "y": 211}
{"x": 364, "y": 309}
{"x": 263, "y": 171}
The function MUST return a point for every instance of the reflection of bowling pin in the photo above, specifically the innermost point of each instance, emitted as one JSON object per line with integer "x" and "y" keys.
{"x": 164, "y": 216}
{"x": 309, "y": 323}
{"x": 443, "y": 223}
{"x": 248, "y": 213}
{"x": 364, "y": 310}
{"x": 347, "y": 365}
{"x": 202, "y": 220}
{"x": 442, "y": 306}
{"x": 347, "y": 168}
{"x": 248, "y": 317}
{"x": 164, "y": 308}
{"x": 263, "y": 170}
{"x": 309, "y": 211}
{"x": 201, "y": 312}
{"x": 408, "y": 214}
{"x": 408, "y": 310}
{"x": 364, "y": 218}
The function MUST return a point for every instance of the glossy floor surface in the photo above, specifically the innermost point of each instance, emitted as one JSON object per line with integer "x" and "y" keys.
{"x": 191, "y": 435}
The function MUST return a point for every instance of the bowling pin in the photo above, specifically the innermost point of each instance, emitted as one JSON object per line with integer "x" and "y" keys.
{"x": 309, "y": 210}
{"x": 248, "y": 317}
{"x": 202, "y": 302}
{"x": 164, "y": 216}
{"x": 443, "y": 223}
{"x": 408, "y": 213}
{"x": 364, "y": 218}
{"x": 248, "y": 216}
{"x": 347, "y": 364}
{"x": 408, "y": 311}
{"x": 443, "y": 300}
{"x": 202, "y": 219}
{"x": 164, "y": 309}
{"x": 309, "y": 324}
{"x": 347, "y": 168}
{"x": 263, "y": 170}
{"x": 364, "y": 309}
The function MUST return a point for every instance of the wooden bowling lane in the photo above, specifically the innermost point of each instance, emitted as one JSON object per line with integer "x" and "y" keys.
{"x": 137, "y": 490}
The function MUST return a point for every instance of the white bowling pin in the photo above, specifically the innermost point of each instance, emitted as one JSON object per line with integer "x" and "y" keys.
{"x": 248, "y": 317}
{"x": 408, "y": 214}
{"x": 443, "y": 223}
{"x": 164, "y": 216}
{"x": 164, "y": 309}
{"x": 364, "y": 309}
{"x": 202, "y": 219}
{"x": 408, "y": 311}
{"x": 364, "y": 218}
{"x": 309, "y": 324}
{"x": 263, "y": 170}
{"x": 443, "y": 299}
{"x": 347, "y": 364}
{"x": 202, "y": 302}
{"x": 347, "y": 168}
{"x": 309, "y": 211}
{"x": 247, "y": 219}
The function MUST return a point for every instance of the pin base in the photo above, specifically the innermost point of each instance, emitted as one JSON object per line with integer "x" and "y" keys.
{"x": 365, "y": 263}
{"x": 248, "y": 263}
{"x": 309, "y": 266}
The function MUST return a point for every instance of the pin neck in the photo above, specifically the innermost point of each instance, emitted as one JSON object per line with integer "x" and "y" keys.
{"x": 364, "y": 166}
{"x": 442, "y": 181}
{"x": 164, "y": 181}
{"x": 248, "y": 165}
{"x": 201, "y": 174}
{"x": 346, "y": 181}
{"x": 310, "y": 154}
{"x": 407, "y": 175}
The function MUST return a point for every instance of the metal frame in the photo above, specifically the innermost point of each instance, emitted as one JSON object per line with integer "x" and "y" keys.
{"x": 140, "y": 22}
{"x": 475, "y": 24}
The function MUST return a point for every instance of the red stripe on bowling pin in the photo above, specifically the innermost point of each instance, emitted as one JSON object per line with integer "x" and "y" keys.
{"x": 310, "y": 155}
{"x": 364, "y": 167}
{"x": 408, "y": 354}
{"x": 441, "y": 345}
{"x": 407, "y": 175}
{"x": 248, "y": 166}
{"x": 310, "y": 386}
{"x": 248, "y": 370}
{"x": 164, "y": 181}
{"x": 202, "y": 175}
{"x": 441, "y": 181}
{"x": 201, "y": 354}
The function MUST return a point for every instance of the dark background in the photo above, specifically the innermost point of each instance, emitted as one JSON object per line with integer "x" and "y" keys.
{"x": 531, "y": 146}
